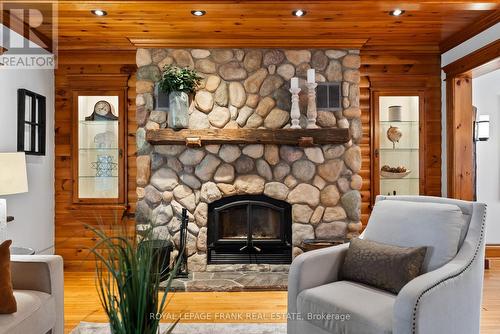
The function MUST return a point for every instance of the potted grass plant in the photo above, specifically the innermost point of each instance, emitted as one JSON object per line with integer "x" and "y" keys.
{"x": 128, "y": 277}
{"x": 178, "y": 83}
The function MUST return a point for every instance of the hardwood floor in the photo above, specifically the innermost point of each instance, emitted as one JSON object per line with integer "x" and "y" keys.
{"x": 490, "y": 319}
{"x": 82, "y": 303}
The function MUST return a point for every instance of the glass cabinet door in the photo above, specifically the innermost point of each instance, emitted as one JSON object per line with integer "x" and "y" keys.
{"x": 99, "y": 142}
{"x": 397, "y": 151}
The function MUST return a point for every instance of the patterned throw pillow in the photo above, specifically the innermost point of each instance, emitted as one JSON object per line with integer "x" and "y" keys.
{"x": 382, "y": 266}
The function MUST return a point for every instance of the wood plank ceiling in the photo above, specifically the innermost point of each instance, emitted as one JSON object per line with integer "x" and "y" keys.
{"x": 356, "y": 24}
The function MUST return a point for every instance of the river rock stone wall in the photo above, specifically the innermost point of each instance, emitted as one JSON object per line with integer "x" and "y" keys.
{"x": 249, "y": 89}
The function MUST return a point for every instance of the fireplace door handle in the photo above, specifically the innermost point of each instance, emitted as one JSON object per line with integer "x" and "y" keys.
{"x": 243, "y": 248}
{"x": 257, "y": 248}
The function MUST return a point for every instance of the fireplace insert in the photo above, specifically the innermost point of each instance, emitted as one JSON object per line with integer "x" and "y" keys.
{"x": 249, "y": 229}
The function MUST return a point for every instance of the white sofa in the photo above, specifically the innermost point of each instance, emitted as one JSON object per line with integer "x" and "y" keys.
{"x": 445, "y": 299}
{"x": 38, "y": 282}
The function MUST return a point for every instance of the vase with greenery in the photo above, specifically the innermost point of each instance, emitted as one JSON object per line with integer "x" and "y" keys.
{"x": 128, "y": 277}
{"x": 178, "y": 83}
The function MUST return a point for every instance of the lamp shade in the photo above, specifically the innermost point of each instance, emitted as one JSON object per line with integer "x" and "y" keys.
{"x": 13, "y": 178}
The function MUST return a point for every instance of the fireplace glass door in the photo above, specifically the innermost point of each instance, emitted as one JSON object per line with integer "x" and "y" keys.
{"x": 265, "y": 223}
{"x": 233, "y": 223}
{"x": 249, "y": 229}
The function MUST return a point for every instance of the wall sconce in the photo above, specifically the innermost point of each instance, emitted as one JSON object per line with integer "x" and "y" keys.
{"x": 482, "y": 128}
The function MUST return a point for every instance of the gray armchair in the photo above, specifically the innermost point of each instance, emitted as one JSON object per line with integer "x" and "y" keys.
{"x": 38, "y": 282}
{"x": 445, "y": 299}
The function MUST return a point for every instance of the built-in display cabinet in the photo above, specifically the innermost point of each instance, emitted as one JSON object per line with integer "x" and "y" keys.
{"x": 99, "y": 119}
{"x": 398, "y": 143}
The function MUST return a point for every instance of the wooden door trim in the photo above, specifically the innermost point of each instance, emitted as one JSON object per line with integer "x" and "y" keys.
{"x": 462, "y": 69}
{"x": 375, "y": 95}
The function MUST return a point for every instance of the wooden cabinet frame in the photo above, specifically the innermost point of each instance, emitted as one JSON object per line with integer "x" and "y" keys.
{"x": 375, "y": 140}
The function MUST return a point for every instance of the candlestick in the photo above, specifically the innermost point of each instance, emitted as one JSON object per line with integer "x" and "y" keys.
{"x": 294, "y": 83}
{"x": 311, "y": 105}
{"x": 311, "y": 75}
{"x": 295, "y": 111}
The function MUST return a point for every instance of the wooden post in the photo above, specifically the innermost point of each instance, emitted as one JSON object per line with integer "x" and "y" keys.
{"x": 460, "y": 138}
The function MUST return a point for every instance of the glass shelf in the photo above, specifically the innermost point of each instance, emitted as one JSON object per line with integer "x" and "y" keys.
{"x": 97, "y": 177}
{"x": 98, "y": 148}
{"x": 399, "y": 122}
{"x": 98, "y": 122}
{"x": 397, "y": 149}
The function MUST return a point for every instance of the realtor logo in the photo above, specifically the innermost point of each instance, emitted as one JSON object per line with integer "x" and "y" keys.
{"x": 28, "y": 35}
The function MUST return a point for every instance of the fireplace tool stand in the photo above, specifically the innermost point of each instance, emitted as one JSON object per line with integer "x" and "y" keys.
{"x": 183, "y": 269}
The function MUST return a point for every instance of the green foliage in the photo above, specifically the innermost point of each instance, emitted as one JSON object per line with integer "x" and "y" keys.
{"x": 128, "y": 283}
{"x": 179, "y": 79}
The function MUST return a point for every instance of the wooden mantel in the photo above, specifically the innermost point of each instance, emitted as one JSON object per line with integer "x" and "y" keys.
{"x": 300, "y": 137}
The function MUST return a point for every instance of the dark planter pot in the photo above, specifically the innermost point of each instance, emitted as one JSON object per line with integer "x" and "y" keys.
{"x": 162, "y": 250}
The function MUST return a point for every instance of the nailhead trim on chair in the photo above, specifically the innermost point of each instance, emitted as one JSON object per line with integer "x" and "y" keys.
{"x": 481, "y": 238}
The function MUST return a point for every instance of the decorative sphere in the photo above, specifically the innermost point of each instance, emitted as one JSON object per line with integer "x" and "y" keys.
{"x": 394, "y": 134}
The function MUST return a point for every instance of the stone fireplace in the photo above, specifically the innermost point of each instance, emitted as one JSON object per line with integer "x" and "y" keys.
{"x": 296, "y": 193}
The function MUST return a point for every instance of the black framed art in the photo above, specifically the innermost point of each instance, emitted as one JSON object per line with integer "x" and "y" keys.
{"x": 31, "y": 109}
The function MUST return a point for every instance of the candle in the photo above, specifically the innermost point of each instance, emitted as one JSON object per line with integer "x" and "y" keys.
{"x": 311, "y": 76}
{"x": 294, "y": 82}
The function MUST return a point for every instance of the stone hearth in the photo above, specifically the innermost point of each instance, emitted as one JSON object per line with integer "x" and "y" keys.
{"x": 235, "y": 278}
{"x": 249, "y": 89}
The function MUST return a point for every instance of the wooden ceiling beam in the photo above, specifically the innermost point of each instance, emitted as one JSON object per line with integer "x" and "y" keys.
{"x": 473, "y": 60}
{"x": 355, "y": 43}
{"x": 478, "y": 26}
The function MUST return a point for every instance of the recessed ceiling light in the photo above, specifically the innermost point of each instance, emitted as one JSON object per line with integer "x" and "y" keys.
{"x": 99, "y": 12}
{"x": 198, "y": 12}
{"x": 397, "y": 12}
{"x": 299, "y": 12}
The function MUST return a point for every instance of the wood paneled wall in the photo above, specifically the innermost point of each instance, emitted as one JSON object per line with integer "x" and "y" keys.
{"x": 392, "y": 71}
{"x": 72, "y": 239}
